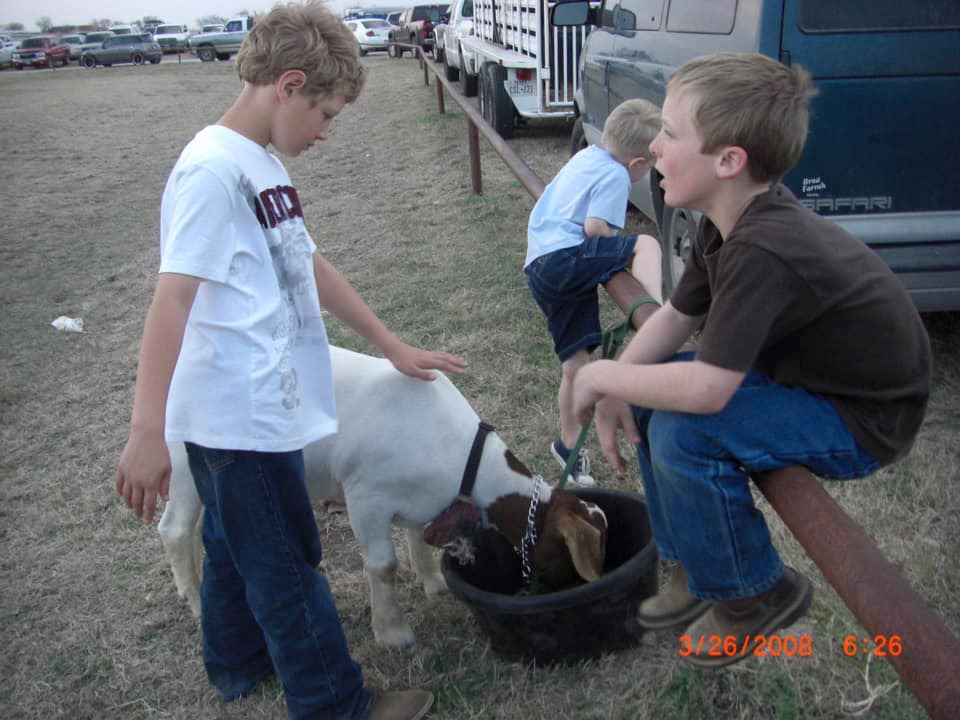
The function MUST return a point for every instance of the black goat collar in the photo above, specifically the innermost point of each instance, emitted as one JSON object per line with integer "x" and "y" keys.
{"x": 473, "y": 461}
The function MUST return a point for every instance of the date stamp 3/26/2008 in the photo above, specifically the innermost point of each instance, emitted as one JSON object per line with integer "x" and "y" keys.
{"x": 757, "y": 645}
{"x": 783, "y": 645}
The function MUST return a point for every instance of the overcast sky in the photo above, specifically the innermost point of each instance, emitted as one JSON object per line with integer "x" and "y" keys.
{"x": 80, "y": 12}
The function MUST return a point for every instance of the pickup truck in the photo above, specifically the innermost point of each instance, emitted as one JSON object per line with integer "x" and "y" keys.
{"x": 172, "y": 38}
{"x": 221, "y": 45}
{"x": 416, "y": 28}
{"x": 40, "y": 51}
{"x": 446, "y": 37}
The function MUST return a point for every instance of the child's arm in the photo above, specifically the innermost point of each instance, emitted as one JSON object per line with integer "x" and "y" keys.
{"x": 338, "y": 296}
{"x": 143, "y": 472}
{"x": 595, "y": 227}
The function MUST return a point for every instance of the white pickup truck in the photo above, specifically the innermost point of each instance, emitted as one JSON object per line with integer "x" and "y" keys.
{"x": 446, "y": 40}
{"x": 520, "y": 65}
{"x": 172, "y": 38}
{"x": 221, "y": 45}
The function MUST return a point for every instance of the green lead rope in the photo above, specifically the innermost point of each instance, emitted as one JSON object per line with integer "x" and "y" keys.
{"x": 613, "y": 338}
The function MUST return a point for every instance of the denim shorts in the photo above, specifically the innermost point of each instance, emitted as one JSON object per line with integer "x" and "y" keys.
{"x": 564, "y": 285}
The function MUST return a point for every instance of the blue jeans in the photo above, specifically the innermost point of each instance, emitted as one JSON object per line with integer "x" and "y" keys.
{"x": 264, "y": 604}
{"x": 696, "y": 477}
{"x": 564, "y": 285}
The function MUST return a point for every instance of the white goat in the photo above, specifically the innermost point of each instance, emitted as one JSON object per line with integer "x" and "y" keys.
{"x": 398, "y": 458}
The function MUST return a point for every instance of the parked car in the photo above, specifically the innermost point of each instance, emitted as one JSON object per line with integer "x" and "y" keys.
{"x": 93, "y": 40}
{"x": 880, "y": 155}
{"x": 76, "y": 43}
{"x": 171, "y": 38}
{"x": 122, "y": 29}
{"x": 221, "y": 45}
{"x": 216, "y": 27}
{"x": 446, "y": 41}
{"x": 136, "y": 49}
{"x": 416, "y": 27}
{"x": 394, "y": 18}
{"x": 371, "y": 34}
{"x": 7, "y": 48}
{"x": 40, "y": 51}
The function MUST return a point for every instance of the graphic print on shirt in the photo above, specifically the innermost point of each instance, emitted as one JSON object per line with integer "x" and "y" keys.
{"x": 281, "y": 216}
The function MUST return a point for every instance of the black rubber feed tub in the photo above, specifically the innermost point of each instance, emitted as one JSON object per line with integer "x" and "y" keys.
{"x": 560, "y": 627}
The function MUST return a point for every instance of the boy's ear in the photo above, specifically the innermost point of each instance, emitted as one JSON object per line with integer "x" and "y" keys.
{"x": 731, "y": 161}
{"x": 290, "y": 82}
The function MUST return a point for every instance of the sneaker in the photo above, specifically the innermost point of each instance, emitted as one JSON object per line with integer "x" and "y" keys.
{"x": 749, "y": 622}
{"x": 673, "y": 604}
{"x": 581, "y": 470}
{"x": 402, "y": 705}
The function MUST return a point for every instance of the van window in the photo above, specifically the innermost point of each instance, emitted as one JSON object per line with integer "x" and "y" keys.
{"x": 825, "y": 16}
{"x": 626, "y": 15}
{"x": 692, "y": 16}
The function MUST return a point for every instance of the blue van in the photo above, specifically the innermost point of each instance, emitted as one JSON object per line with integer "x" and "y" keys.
{"x": 882, "y": 158}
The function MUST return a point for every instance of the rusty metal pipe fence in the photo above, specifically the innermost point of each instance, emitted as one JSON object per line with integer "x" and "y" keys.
{"x": 927, "y": 652}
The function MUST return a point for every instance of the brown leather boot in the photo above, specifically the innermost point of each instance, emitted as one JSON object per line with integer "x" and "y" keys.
{"x": 672, "y": 605}
{"x": 402, "y": 705}
{"x": 731, "y": 630}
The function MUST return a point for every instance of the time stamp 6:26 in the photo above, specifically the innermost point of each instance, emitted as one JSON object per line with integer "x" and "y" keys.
{"x": 788, "y": 645}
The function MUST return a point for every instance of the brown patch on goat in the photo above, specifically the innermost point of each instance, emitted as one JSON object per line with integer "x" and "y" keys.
{"x": 571, "y": 542}
{"x": 514, "y": 464}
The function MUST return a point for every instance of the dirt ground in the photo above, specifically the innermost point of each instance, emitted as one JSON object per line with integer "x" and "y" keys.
{"x": 88, "y": 612}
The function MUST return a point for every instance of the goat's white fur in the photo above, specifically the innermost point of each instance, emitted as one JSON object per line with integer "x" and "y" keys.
{"x": 398, "y": 457}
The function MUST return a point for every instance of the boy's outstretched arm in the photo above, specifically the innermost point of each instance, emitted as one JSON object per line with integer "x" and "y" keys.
{"x": 143, "y": 473}
{"x": 338, "y": 296}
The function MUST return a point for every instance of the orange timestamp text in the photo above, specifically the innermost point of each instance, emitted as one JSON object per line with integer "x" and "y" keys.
{"x": 758, "y": 645}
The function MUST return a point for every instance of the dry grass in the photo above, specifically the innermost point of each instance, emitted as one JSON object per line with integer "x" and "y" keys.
{"x": 88, "y": 613}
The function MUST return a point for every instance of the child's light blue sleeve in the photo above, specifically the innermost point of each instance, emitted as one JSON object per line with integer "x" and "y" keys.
{"x": 608, "y": 197}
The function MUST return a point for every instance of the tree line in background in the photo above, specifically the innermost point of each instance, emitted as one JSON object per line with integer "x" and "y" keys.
{"x": 46, "y": 24}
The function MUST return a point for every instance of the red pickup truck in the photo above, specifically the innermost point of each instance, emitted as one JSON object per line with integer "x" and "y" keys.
{"x": 41, "y": 51}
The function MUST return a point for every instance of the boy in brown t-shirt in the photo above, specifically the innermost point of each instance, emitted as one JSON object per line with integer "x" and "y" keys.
{"x": 811, "y": 353}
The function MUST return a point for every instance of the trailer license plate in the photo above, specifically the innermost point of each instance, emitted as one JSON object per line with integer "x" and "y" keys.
{"x": 521, "y": 87}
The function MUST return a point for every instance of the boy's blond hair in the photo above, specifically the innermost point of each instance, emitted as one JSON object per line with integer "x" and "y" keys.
{"x": 630, "y": 129}
{"x": 304, "y": 36}
{"x": 752, "y": 101}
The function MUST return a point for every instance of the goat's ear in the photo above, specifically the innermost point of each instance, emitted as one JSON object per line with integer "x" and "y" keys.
{"x": 585, "y": 544}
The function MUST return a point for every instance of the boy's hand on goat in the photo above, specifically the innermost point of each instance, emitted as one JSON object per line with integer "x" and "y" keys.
{"x": 143, "y": 473}
{"x": 418, "y": 363}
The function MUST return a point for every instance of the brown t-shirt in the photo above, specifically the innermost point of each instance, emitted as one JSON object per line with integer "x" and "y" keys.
{"x": 795, "y": 296}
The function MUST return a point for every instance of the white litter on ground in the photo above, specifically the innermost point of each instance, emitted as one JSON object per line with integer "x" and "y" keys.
{"x": 69, "y": 324}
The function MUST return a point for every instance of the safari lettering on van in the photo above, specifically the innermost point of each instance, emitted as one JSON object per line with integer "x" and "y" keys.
{"x": 812, "y": 196}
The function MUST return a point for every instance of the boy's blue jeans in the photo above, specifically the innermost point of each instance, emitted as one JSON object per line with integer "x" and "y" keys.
{"x": 264, "y": 605}
{"x": 696, "y": 476}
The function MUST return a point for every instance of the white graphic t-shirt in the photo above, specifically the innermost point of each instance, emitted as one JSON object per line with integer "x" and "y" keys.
{"x": 254, "y": 369}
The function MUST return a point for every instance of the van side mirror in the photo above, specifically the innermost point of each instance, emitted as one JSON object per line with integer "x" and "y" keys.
{"x": 624, "y": 19}
{"x": 572, "y": 14}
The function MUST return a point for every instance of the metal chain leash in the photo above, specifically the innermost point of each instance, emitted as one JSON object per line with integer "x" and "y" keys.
{"x": 529, "y": 539}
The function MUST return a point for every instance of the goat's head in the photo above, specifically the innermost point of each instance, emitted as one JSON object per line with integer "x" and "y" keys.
{"x": 572, "y": 542}
{"x": 571, "y": 537}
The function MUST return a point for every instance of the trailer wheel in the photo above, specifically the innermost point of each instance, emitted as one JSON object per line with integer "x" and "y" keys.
{"x": 468, "y": 82}
{"x": 495, "y": 104}
{"x": 452, "y": 74}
